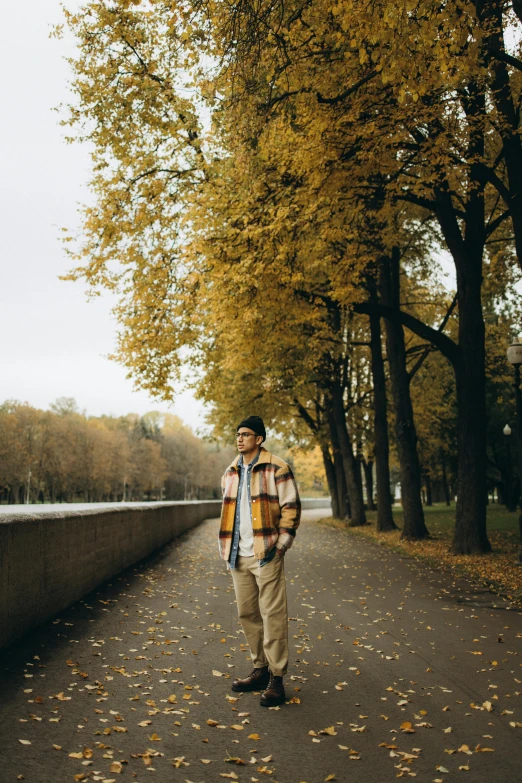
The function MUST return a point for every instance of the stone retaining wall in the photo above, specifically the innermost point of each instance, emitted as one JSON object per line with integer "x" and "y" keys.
{"x": 50, "y": 558}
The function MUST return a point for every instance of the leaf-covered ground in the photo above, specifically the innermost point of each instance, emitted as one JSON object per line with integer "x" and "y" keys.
{"x": 497, "y": 571}
{"x": 396, "y": 670}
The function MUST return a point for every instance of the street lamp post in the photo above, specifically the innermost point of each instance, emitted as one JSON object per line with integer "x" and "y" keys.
{"x": 514, "y": 357}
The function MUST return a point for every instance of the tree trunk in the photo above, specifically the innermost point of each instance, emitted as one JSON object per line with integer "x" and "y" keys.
{"x": 470, "y": 527}
{"x": 16, "y": 494}
{"x": 359, "y": 468}
{"x": 414, "y": 526}
{"x": 368, "y": 480}
{"x": 380, "y": 424}
{"x": 342, "y": 492}
{"x": 329, "y": 469}
{"x": 445, "y": 482}
{"x": 357, "y": 516}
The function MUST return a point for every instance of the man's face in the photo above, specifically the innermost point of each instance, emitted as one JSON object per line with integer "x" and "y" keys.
{"x": 247, "y": 441}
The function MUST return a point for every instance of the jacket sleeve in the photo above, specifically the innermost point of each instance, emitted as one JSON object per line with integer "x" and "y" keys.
{"x": 290, "y": 505}
{"x": 223, "y": 485}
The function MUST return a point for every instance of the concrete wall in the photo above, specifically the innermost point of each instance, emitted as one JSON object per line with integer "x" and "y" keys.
{"x": 50, "y": 556}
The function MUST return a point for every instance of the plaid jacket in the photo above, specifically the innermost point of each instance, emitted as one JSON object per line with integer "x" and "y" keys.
{"x": 276, "y": 507}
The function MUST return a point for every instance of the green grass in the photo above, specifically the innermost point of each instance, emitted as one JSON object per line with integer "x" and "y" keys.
{"x": 440, "y": 516}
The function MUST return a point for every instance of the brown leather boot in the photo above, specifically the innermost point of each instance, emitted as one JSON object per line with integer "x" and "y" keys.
{"x": 275, "y": 692}
{"x": 256, "y": 681}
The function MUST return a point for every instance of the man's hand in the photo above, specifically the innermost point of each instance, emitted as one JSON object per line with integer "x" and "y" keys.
{"x": 280, "y": 551}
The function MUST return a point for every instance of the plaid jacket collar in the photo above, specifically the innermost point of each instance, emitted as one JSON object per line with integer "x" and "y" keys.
{"x": 263, "y": 456}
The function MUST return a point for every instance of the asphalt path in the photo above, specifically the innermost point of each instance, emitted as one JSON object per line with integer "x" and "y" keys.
{"x": 395, "y": 671}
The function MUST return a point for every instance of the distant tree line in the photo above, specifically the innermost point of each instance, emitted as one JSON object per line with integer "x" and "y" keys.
{"x": 63, "y": 455}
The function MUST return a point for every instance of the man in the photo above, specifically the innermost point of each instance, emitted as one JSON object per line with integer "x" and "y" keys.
{"x": 260, "y": 515}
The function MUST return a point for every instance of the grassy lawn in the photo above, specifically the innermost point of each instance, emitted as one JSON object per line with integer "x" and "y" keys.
{"x": 496, "y": 571}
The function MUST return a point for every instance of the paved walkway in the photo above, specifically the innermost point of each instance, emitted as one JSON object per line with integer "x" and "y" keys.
{"x": 395, "y": 671}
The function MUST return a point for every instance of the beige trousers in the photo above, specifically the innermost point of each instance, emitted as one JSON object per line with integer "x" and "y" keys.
{"x": 262, "y": 609}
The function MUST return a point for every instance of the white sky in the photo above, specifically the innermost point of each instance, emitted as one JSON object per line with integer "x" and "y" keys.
{"x": 54, "y": 342}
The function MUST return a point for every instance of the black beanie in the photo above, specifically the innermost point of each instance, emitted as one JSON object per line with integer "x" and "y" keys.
{"x": 255, "y": 423}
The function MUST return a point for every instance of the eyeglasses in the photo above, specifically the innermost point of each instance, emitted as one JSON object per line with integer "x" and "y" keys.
{"x": 240, "y": 435}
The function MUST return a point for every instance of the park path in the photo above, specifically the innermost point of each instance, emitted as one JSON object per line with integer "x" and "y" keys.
{"x": 395, "y": 671}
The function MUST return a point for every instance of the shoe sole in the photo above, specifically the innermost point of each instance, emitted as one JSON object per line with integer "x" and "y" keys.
{"x": 272, "y": 703}
{"x": 248, "y": 690}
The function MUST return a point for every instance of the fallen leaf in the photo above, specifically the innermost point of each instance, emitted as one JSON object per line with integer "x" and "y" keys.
{"x": 27, "y": 742}
{"x": 234, "y": 760}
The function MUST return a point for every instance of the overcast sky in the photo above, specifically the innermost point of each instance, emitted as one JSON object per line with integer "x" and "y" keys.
{"x": 54, "y": 342}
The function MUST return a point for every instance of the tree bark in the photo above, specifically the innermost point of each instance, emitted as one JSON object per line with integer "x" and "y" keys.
{"x": 414, "y": 526}
{"x": 368, "y": 480}
{"x": 470, "y": 526}
{"x": 342, "y": 492}
{"x": 357, "y": 515}
{"x": 445, "y": 482}
{"x": 380, "y": 425}
{"x": 331, "y": 480}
